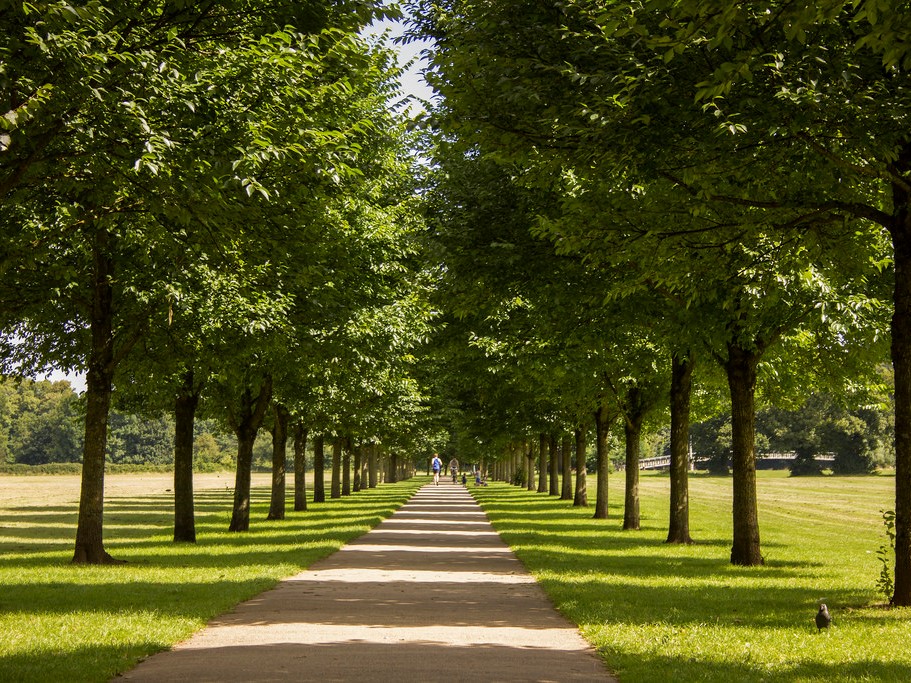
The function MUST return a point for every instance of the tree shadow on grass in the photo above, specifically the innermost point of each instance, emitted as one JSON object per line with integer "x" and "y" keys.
{"x": 698, "y": 669}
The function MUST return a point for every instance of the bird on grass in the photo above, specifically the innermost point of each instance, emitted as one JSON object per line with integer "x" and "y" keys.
{"x": 823, "y": 618}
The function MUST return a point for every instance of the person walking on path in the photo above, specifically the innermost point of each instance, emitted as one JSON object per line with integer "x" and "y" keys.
{"x": 436, "y": 465}
{"x": 454, "y": 469}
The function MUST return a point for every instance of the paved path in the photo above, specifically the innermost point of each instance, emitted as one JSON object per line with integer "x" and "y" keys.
{"x": 430, "y": 594}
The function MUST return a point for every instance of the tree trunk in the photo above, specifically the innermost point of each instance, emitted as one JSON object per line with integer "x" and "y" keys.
{"x": 346, "y": 468}
{"x": 300, "y": 467}
{"x": 240, "y": 516}
{"x": 358, "y": 466}
{"x": 319, "y": 469}
{"x": 632, "y": 429}
{"x": 336, "y": 484}
{"x": 372, "y": 466}
{"x": 581, "y": 496}
{"x": 681, "y": 388}
{"x": 741, "y": 371}
{"x": 393, "y": 467}
{"x": 542, "y": 463}
{"x": 184, "y": 415}
{"x": 566, "y": 450}
{"x": 279, "y": 462}
{"x": 554, "y": 484}
{"x": 602, "y": 423}
{"x": 245, "y": 425}
{"x": 530, "y": 466}
{"x": 901, "y": 364}
{"x": 89, "y": 547}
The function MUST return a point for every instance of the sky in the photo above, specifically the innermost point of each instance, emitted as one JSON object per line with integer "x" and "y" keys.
{"x": 412, "y": 80}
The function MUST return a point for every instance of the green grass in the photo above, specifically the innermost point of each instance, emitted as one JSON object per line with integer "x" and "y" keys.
{"x": 658, "y": 612}
{"x": 75, "y": 623}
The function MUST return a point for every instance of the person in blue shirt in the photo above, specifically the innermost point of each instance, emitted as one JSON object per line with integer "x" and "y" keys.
{"x": 436, "y": 465}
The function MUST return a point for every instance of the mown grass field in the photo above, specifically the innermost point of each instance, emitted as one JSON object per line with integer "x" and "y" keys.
{"x": 682, "y": 613}
{"x": 61, "y": 622}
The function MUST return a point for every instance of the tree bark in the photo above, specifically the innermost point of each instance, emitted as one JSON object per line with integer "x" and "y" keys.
{"x": 581, "y": 496}
{"x": 632, "y": 429}
{"x": 319, "y": 469}
{"x": 372, "y": 466}
{"x": 393, "y": 467}
{"x": 681, "y": 389}
{"x": 900, "y": 231}
{"x": 300, "y": 467}
{"x": 741, "y": 371}
{"x": 554, "y": 484}
{"x": 336, "y": 483}
{"x": 358, "y": 466}
{"x": 602, "y": 423}
{"x": 567, "y": 451}
{"x": 530, "y": 466}
{"x": 185, "y": 405}
{"x": 346, "y": 468}
{"x": 279, "y": 462}
{"x": 542, "y": 463}
{"x": 89, "y": 548}
{"x": 246, "y": 424}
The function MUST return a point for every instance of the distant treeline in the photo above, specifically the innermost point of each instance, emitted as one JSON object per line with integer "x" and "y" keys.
{"x": 861, "y": 439}
{"x": 41, "y": 422}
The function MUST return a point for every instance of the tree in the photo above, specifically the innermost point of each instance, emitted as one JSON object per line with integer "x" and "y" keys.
{"x": 545, "y": 95}
{"x": 114, "y": 165}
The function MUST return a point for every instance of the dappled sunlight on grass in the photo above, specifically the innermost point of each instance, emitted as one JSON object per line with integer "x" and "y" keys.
{"x": 86, "y": 623}
{"x": 684, "y": 613}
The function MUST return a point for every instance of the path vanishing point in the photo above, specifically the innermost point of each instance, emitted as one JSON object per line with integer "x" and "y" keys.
{"x": 430, "y": 594}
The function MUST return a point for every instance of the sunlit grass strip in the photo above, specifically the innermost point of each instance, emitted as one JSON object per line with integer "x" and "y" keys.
{"x": 683, "y": 613}
{"x": 73, "y": 623}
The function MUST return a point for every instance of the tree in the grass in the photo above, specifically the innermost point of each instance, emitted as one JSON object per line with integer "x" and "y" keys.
{"x": 103, "y": 187}
{"x": 546, "y": 93}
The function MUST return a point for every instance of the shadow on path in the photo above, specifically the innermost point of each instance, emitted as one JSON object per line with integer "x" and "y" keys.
{"x": 432, "y": 593}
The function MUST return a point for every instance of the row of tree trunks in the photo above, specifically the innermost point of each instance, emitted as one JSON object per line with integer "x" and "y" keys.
{"x": 636, "y": 409}
{"x": 365, "y": 466}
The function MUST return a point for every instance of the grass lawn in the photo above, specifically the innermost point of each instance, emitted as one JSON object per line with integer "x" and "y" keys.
{"x": 75, "y": 623}
{"x": 683, "y": 613}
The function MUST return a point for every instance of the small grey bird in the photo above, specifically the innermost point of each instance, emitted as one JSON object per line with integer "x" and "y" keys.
{"x": 823, "y": 618}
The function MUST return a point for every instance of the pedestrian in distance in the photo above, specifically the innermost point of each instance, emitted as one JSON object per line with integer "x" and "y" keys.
{"x": 454, "y": 469}
{"x": 436, "y": 465}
